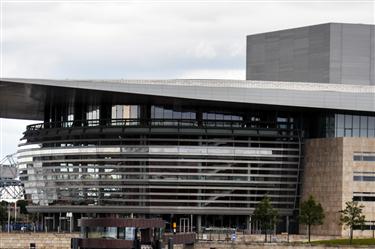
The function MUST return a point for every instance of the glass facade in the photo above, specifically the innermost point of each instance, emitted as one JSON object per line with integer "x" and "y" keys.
{"x": 125, "y": 112}
{"x": 93, "y": 112}
{"x": 160, "y": 112}
{"x": 125, "y": 115}
{"x": 322, "y": 125}
{"x": 221, "y": 116}
{"x": 205, "y": 158}
{"x": 347, "y": 125}
{"x": 227, "y": 158}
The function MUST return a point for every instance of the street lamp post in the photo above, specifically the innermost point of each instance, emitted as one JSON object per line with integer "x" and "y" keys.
{"x": 8, "y": 218}
{"x": 287, "y": 227}
{"x": 15, "y": 212}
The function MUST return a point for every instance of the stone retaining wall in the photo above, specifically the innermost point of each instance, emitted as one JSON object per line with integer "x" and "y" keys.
{"x": 62, "y": 241}
{"x": 224, "y": 245}
{"x": 42, "y": 240}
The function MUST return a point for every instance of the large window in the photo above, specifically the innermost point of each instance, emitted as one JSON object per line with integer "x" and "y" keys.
{"x": 220, "y": 116}
{"x": 362, "y": 178}
{"x": 125, "y": 114}
{"x": 158, "y": 112}
{"x": 366, "y": 157}
{"x": 93, "y": 115}
{"x": 67, "y": 115}
{"x": 347, "y": 125}
{"x": 218, "y": 119}
{"x": 168, "y": 116}
{"x": 364, "y": 196}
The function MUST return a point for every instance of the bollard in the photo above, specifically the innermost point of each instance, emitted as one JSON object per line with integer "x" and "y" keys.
{"x": 32, "y": 246}
{"x": 170, "y": 243}
{"x": 74, "y": 243}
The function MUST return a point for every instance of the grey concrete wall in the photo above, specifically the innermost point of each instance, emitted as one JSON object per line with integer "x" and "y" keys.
{"x": 329, "y": 53}
{"x": 352, "y": 54}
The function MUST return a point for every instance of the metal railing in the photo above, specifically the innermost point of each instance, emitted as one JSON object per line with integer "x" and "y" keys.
{"x": 205, "y": 123}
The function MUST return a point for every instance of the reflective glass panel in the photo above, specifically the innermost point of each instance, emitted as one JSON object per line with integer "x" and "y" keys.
{"x": 348, "y": 121}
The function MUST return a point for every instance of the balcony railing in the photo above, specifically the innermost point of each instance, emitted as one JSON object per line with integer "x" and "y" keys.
{"x": 162, "y": 123}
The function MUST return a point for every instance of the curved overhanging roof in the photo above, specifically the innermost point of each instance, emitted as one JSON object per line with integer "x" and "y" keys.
{"x": 24, "y": 98}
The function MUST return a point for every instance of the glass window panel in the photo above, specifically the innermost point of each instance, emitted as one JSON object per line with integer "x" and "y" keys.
{"x": 363, "y": 133}
{"x": 326, "y": 123}
{"x": 211, "y": 116}
{"x": 227, "y": 117}
{"x": 168, "y": 114}
{"x": 330, "y": 133}
{"x": 280, "y": 119}
{"x": 371, "y": 123}
{"x": 92, "y": 113}
{"x": 348, "y": 133}
{"x": 116, "y": 111}
{"x": 356, "y": 121}
{"x": 134, "y": 111}
{"x": 89, "y": 114}
{"x": 158, "y": 113}
{"x": 355, "y": 132}
{"x": 219, "y": 116}
{"x": 152, "y": 111}
{"x": 129, "y": 233}
{"x": 125, "y": 112}
{"x": 364, "y": 198}
{"x": 363, "y": 122}
{"x": 240, "y": 118}
{"x": 368, "y": 178}
{"x": 332, "y": 122}
{"x": 119, "y": 111}
{"x": 348, "y": 121}
{"x": 70, "y": 114}
{"x": 371, "y": 133}
{"x": 185, "y": 115}
{"x": 177, "y": 115}
{"x": 339, "y": 120}
{"x": 357, "y": 178}
{"x": 369, "y": 158}
{"x": 113, "y": 115}
{"x": 339, "y": 132}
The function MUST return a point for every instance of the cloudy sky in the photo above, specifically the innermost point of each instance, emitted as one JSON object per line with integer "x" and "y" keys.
{"x": 145, "y": 39}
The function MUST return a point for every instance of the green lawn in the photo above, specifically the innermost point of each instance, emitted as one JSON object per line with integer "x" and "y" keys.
{"x": 344, "y": 242}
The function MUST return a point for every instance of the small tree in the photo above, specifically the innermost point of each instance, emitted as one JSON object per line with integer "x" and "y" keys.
{"x": 266, "y": 215}
{"x": 311, "y": 213}
{"x": 3, "y": 215}
{"x": 22, "y": 205}
{"x": 352, "y": 216}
